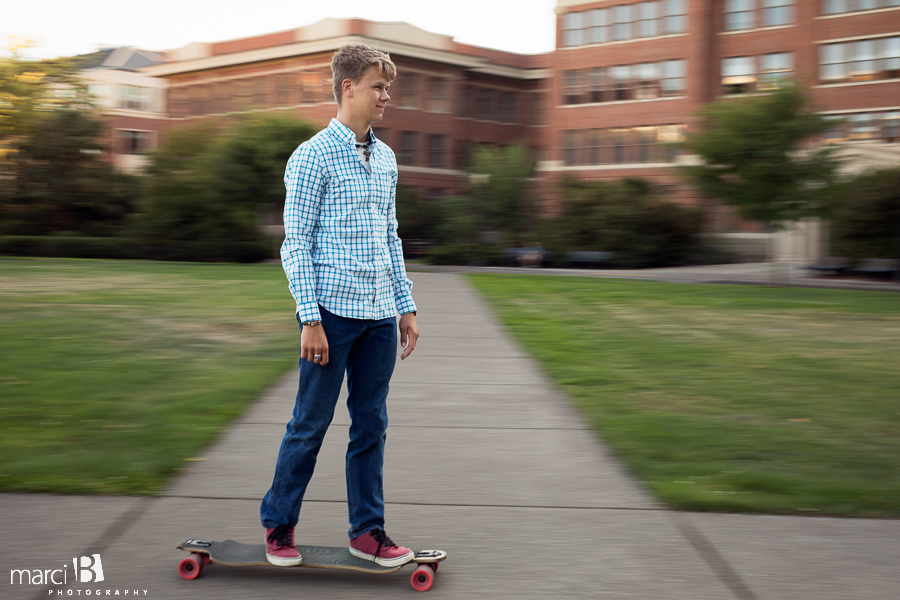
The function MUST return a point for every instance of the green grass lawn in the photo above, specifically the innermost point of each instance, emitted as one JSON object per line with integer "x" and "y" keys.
{"x": 726, "y": 398}
{"x": 113, "y": 373}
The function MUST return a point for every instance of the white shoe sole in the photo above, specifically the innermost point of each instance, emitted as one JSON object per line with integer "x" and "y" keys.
{"x": 278, "y": 561}
{"x": 384, "y": 562}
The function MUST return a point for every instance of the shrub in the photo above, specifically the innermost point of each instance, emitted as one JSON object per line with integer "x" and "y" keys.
{"x": 628, "y": 218}
{"x": 866, "y": 219}
{"x": 68, "y": 247}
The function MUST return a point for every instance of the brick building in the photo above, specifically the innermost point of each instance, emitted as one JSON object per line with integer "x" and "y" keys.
{"x": 625, "y": 77}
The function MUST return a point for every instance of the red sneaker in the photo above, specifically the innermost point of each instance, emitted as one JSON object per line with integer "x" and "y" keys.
{"x": 280, "y": 549}
{"x": 378, "y": 547}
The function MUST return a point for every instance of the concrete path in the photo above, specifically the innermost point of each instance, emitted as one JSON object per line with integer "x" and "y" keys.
{"x": 486, "y": 460}
{"x": 739, "y": 273}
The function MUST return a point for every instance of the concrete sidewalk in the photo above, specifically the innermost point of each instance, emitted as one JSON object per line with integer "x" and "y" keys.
{"x": 766, "y": 274}
{"x": 485, "y": 459}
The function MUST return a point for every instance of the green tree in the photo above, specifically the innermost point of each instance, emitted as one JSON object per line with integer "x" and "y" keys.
{"x": 59, "y": 181}
{"x": 247, "y": 163}
{"x": 754, "y": 158}
{"x": 501, "y": 190}
{"x": 30, "y": 88}
{"x": 418, "y": 218}
{"x": 209, "y": 190}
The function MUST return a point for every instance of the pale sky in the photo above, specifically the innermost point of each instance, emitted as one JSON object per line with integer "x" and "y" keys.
{"x": 68, "y": 27}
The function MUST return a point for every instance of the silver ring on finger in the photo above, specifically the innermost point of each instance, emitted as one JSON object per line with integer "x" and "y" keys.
{"x": 317, "y": 357}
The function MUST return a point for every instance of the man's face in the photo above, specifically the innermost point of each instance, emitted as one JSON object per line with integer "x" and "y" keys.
{"x": 370, "y": 96}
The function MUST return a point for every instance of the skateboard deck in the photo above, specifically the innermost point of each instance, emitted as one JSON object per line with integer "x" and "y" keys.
{"x": 235, "y": 554}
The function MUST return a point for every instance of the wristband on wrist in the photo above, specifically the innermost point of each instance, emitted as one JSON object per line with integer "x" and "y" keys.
{"x": 312, "y": 323}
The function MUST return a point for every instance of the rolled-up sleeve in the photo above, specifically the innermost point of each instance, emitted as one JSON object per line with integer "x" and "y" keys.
{"x": 402, "y": 285}
{"x": 304, "y": 180}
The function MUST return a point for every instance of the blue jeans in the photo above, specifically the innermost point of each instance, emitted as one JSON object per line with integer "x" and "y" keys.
{"x": 367, "y": 351}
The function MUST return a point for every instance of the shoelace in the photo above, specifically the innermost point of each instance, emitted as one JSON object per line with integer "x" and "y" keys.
{"x": 383, "y": 540}
{"x": 282, "y": 536}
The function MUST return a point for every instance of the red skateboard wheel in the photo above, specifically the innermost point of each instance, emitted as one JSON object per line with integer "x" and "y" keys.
{"x": 190, "y": 567}
{"x": 422, "y": 578}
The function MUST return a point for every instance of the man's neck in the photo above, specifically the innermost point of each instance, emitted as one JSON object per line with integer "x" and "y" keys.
{"x": 361, "y": 128}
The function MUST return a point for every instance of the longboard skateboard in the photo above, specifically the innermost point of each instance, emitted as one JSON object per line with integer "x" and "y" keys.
{"x": 235, "y": 554}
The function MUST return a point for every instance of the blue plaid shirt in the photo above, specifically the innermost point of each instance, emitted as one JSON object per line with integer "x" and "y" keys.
{"x": 341, "y": 248}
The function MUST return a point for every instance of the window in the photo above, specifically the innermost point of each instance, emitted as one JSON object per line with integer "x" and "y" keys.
{"x": 619, "y": 145}
{"x": 834, "y": 7}
{"x": 437, "y": 151}
{"x": 623, "y": 22}
{"x": 466, "y": 104}
{"x": 667, "y": 135}
{"x": 568, "y": 148}
{"x": 243, "y": 94}
{"x": 283, "y": 85}
{"x": 891, "y": 126}
{"x": 599, "y": 32}
{"x": 408, "y": 148}
{"x": 596, "y": 84}
{"x": 438, "y": 99}
{"x": 774, "y": 69}
{"x": 646, "y": 144}
{"x": 406, "y": 91}
{"x": 676, "y": 16}
{"x": 647, "y": 75}
{"x": 863, "y": 126}
{"x": 649, "y": 144}
{"x": 648, "y": 24}
{"x": 260, "y": 87}
{"x": 738, "y": 75}
{"x": 777, "y": 12}
{"x": 538, "y": 109}
{"x": 863, "y": 60}
{"x": 509, "y": 107}
{"x": 310, "y": 88}
{"x": 222, "y": 97}
{"x": 674, "y": 80}
{"x": 134, "y": 142}
{"x": 178, "y": 102}
{"x": 484, "y": 104}
{"x": 133, "y": 97}
{"x": 572, "y": 87}
{"x": 624, "y": 82}
{"x": 739, "y": 15}
{"x": 621, "y": 82}
{"x": 890, "y": 54}
{"x": 572, "y": 28}
{"x": 98, "y": 91}
{"x": 198, "y": 100}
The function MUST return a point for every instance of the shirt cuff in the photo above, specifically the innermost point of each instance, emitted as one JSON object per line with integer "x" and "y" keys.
{"x": 308, "y": 312}
{"x": 405, "y": 305}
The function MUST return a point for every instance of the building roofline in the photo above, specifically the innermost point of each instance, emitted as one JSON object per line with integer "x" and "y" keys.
{"x": 449, "y": 56}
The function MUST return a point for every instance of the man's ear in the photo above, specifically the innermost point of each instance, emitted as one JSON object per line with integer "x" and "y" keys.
{"x": 347, "y": 88}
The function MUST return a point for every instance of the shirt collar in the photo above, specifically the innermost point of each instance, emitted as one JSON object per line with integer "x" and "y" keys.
{"x": 345, "y": 134}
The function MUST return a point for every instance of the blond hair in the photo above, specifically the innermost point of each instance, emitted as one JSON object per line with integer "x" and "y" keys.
{"x": 353, "y": 60}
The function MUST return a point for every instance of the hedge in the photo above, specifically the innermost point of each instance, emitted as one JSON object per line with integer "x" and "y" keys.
{"x": 127, "y": 248}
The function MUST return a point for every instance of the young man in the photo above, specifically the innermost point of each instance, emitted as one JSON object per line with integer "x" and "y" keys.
{"x": 344, "y": 265}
